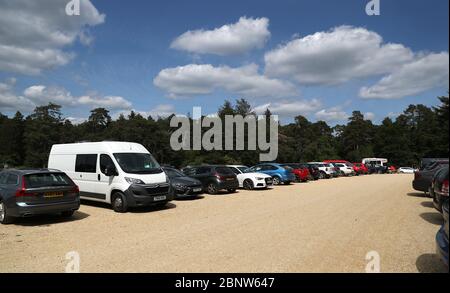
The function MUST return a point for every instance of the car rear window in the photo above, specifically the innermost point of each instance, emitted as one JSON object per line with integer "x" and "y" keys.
{"x": 224, "y": 171}
{"x": 47, "y": 180}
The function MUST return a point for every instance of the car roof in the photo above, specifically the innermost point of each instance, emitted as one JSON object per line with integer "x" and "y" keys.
{"x": 31, "y": 171}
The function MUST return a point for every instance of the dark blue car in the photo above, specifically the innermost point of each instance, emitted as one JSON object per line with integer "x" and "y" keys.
{"x": 280, "y": 174}
{"x": 442, "y": 236}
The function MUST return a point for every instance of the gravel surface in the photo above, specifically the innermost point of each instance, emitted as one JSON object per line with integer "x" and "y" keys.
{"x": 324, "y": 226}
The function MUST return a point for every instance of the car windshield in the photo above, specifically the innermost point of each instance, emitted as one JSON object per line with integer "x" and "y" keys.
{"x": 287, "y": 168}
{"x": 47, "y": 180}
{"x": 244, "y": 169}
{"x": 138, "y": 163}
{"x": 172, "y": 173}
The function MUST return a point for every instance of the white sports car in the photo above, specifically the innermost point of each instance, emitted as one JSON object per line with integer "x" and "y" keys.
{"x": 251, "y": 180}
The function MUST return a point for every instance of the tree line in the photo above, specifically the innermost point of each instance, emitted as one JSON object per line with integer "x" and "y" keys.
{"x": 418, "y": 132}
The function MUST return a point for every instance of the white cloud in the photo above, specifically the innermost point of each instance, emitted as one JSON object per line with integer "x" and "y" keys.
{"x": 336, "y": 56}
{"x": 335, "y": 114}
{"x": 369, "y": 116}
{"x": 33, "y": 34}
{"x": 425, "y": 73}
{"x": 204, "y": 79}
{"x": 289, "y": 108}
{"x": 246, "y": 34}
{"x": 38, "y": 95}
{"x": 9, "y": 101}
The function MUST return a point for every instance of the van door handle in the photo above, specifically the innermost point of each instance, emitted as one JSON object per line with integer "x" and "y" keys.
{"x": 98, "y": 177}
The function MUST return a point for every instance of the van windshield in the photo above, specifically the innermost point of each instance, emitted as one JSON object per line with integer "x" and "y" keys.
{"x": 138, "y": 163}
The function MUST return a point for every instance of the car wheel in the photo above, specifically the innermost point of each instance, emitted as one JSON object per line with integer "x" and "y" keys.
{"x": 321, "y": 175}
{"x": 67, "y": 214}
{"x": 248, "y": 184}
{"x": 212, "y": 188}
{"x": 4, "y": 218}
{"x": 119, "y": 203}
{"x": 276, "y": 180}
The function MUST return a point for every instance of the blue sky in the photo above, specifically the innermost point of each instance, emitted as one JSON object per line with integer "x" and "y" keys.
{"x": 129, "y": 45}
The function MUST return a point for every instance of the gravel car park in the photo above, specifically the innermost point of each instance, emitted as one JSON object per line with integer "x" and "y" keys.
{"x": 285, "y": 229}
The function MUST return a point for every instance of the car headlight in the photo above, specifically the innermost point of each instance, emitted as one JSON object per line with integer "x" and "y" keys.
{"x": 259, "y": 178}
{"x": 134, "y": 180}
{"x": 180, "y": 186}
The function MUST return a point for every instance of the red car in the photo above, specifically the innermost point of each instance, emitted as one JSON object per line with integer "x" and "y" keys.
{"x": 392, "y": 169}
{"x": 302, "y": 174}
{"x": 360, "y": 168}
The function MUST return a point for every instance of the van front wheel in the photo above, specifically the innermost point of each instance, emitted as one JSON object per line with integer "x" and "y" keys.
{"x": 119, "y": 202}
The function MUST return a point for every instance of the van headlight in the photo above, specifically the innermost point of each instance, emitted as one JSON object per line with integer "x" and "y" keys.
{"x": 134, "y": 180}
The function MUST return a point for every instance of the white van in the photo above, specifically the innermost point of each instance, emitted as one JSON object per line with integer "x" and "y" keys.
{"x": 123, "y": 174}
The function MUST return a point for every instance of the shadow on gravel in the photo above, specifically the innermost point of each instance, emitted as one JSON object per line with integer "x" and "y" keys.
{"x": 430, "y": 263}
{"x": 150, "y": 209}
{"x": 48, "y": 220}
{"x": 433, "y": 218}
{"x": 427, "y": 204}
{"x": 146, "y": 209}
{"x": 192, "y": 198}
{"x": 417, "y": 194}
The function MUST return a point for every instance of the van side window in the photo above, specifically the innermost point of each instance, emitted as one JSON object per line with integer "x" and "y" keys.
{"x": 105, "y": 161}
{"x": 86, "y": 164}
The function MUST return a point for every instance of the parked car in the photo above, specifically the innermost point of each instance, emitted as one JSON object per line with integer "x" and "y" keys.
{"x": 313, "y": 170}
{"x": 442, "y": 236}
{"x": 392, "y": 169}
{"x": 214, "y": 178}
{"x": 182, "y": 185}
{"x": 251, "y": 180}
{"x": 439, "y": 188}
{"x": 422, "y": 178}
{"x": 346, "y": 170}
{"x": 300, "y": 172}
{"x": 326, "y": 170}
{"x": 26, "y": 193}
{"x": 280, "y": 174}
{"x": 360, "y": 168}
{"x": 123, "y": 174}
{"x": 406, "y": 170}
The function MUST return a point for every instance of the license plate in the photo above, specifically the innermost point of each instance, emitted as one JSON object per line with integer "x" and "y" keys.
{"x": 159, "y": 198}
{"x": 269, "y": 181}
{"x": 197, "y": 189}
{"x": 230, "y": 179}
{"x": 53, "y": 194}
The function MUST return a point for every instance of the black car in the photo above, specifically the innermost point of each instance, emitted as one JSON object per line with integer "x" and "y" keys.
{"x": 377, "y": 169}
{"x": 422, "y": 178}
{"x": 182, "y": 185}
{"x": 439, "y": 188}
{"x": 214, "y": 178}
{"x": 314, "y": 171}
{"x": 26, "y": 193}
